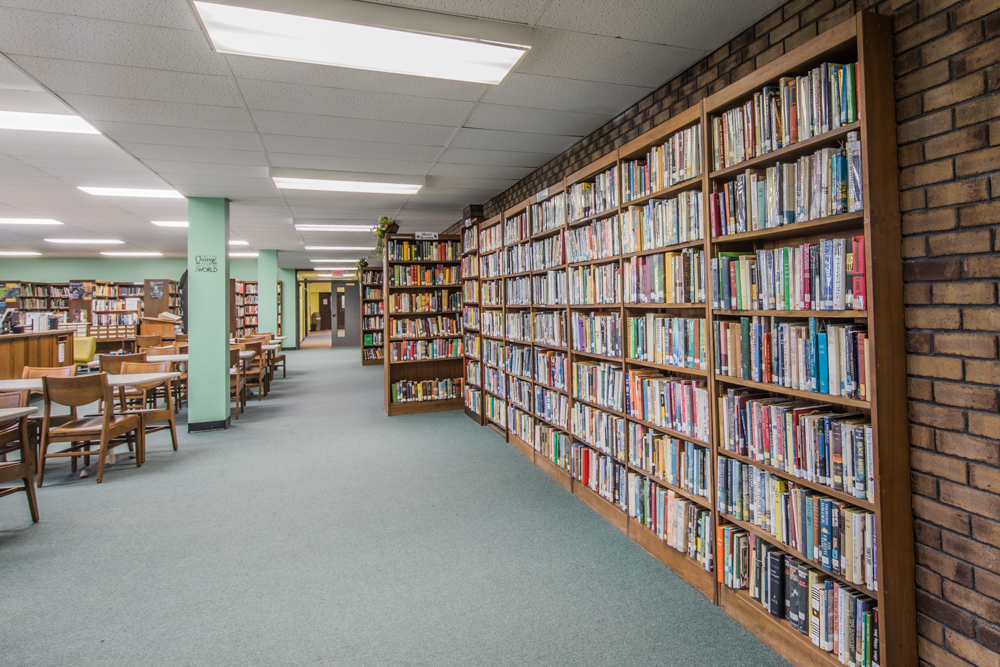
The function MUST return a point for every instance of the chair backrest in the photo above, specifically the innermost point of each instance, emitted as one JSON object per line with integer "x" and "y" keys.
{"x": 148, "y": 341}
{"x": 75, "y": 391}
{"x": 160, "y": 349}
{"x": 84, "y": 347}
{"x": 112, "y": 363}
{"x": 35, "y": 372}
{"x": 252, "y": 346}
{"x": 181, "y": 349}
{"x": 132, "y": 367}
{"x": 12, "y": 399}
{"x": 180, "y": 338}
{"x": 234, "y": 356}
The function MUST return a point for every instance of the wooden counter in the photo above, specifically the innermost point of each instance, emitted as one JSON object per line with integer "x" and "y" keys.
{"x": 47, "y": 348}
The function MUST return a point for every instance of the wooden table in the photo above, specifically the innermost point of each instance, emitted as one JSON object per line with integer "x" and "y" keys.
{"x": 15, "y": 413}
{"x": 35, "y": 384}
{"x": 170, "y": 357}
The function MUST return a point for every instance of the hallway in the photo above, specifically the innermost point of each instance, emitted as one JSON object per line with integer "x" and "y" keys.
{"x": 317, "y": 531}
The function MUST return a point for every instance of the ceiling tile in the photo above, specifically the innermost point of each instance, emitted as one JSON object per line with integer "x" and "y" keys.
{"x": 298, "y": 161}
{"x": 542, "y": 121}
{"x": 513, "y": 141}
{"x": 343, "y": 148}
{"x": 122, "y": 110}
{"x": 165, "y": 13}
{"x": 546, "y": 92}
{"x": 496, "y": 158}
{"x": 329, "y": 127}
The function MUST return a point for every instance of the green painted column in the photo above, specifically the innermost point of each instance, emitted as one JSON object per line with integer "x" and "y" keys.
{"x": 289, "y": 308}
{"x": 208, "y": 314}
{"x": 267, "y": 291}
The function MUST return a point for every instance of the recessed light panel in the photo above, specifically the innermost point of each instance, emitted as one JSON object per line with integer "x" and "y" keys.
{"x": 45, "y": 122}
{"x": 87, "y": 241}
{"x": 170, "y": 223}
{"x": 243, "y": 254}
{"x": 133, "y": 254}
{"x": 357, "y": 248}
{"x": 359, "y": 187}
{"x": 307, "y": 227}
{"x": 19, "y": 253}
{"x": 28, "y": 221}
{"x": 133, "y": 192}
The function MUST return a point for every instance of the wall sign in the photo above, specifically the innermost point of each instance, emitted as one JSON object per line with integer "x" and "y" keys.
{"x": 206, "y": 263}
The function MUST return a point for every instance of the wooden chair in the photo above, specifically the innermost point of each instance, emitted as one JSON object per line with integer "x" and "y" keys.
{"x": 112, "y": 365}
{"x": 108, "y": 429}
{"x": 255, "y": 370}
{"x": 142, "y": 342}
{"x": 148, "y": 410}
{"x": 16, "y": 431}
{"x": 237, "y": 380}
{"x": 35, "y": 422}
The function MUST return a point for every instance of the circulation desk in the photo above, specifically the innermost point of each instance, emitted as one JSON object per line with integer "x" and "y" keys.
{"x": 46, "y": 348}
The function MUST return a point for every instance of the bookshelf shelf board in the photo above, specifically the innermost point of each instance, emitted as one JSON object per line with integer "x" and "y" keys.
{"x": 495, "y": 395}
{"x": 560, "y": 475}
{"x": 424, "y": 361}
{"x": 833, "y": 223}
{"x": 517, "y": 341}
{"x": 519, "y": 377}
{"x": 551, "y": 388}
{"x": 699, "y": 243}
{"x": 600, "y": 451}
{"x": 470, "y": 251}
{"x": 516, "y": 275}
{"x": 671, "y": 306}
{"x": 372, "y": 300}
{"x": 491, "y": 420}
{"x": 519, "y": 306}
{"x": 525, "y": 409}
{"x": 598, "y": 406}
{"x": 490, "y": 252}
{"x": 607, "y": 509}
{"x": 489, "y": 365}
{"x": 416, "y": 313}
{"x": 815, "y": 486}
{"x": 419, "y": 407}
{"x": 591, "y": 218}
{"x": 491, "y": 337}
{"x": 393, "y": 262}
{"x": 594, "y": 306}
{"x": 564, "y": 428}
{"x": 372, "y": 362}
{"x": 425, "y": 287}
{"x": 794, "y": 553}
{"x": 669, "y": 431}
{"x": 594, "y": 355}
{"x": 667, "y": 367}
{"x": 668, "y": 192}
{"x": 549, "y": 306}
{"x": 693, "y": 497}
{"x": 681, "y": 564}
{"x": 799, "y": 314}
{"x": 548, "y": 232}
{"x": 594, "y": 262}
{"x": 791, "y": 151}
{"x": 492, "y": 306}
{"x": 550, "y": 346}
{"x": 372, "y": 345}
{"x": 411, "y": 338}
{"x": 470, "y": 383}
{"x": 468, "y": 329}
{"x": 811, "y": 395}
{"x": 522, "y": 446}
{"x": 373, "y": 330}
{"x": 470, "y": 303}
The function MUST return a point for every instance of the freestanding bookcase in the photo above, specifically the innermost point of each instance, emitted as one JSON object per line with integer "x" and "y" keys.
{"x": 591, "y": 428}
{"x": 423, "y": 332}
{"x": 372, "y": 324}
{"x": 471, "y": 314}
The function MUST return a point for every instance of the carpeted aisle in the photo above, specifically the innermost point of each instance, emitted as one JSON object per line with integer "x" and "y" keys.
{"x": 317, "y": 531}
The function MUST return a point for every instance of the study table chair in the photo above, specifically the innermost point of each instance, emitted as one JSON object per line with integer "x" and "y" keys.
{"x": 148, "y": 409}
{"x": 14, "y": 429}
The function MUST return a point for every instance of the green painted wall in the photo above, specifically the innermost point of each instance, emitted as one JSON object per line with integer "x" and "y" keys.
{"x": 267, "y": 291}
{"x": 57, "y": 270}
{"x": 289, "y": 308}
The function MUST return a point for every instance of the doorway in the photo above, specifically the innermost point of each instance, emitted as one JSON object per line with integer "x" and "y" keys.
{"x": 325, "y": 312}
{"x": 347, "y": 311}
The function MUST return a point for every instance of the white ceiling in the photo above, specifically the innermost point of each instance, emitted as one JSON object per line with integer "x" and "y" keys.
{"x": 174, "y": 113}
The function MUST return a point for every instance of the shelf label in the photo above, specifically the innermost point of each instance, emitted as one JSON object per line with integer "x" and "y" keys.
{"x": 542, "y": 194}
{"x": 425, "y": 236}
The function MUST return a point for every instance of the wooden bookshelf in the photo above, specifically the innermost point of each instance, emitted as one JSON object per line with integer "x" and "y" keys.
{"x": 472, "y": 341}
{"x": 242, "y": 307}
{"x": 372, "y": 322}
{"x": 280, "y": 304}
{"x": 865, "y": 39}
{"x": 161, "y": 296}
{"x": 405, "y": 255}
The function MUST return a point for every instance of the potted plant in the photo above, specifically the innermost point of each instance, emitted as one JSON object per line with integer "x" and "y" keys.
{"x": 362, "y": 263}
{"x": 385, "y": 226}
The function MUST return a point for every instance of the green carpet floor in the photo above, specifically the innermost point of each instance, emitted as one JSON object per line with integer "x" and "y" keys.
{"x": 317, "y": 531}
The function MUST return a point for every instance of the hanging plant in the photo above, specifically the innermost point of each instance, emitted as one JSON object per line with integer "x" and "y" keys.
{"x": 385, "y": 226}
{"x": 362, "y": 263}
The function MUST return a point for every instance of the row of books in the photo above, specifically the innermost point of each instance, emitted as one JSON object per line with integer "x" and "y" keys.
{"x": 42, "y": 304}
{"x": 521, "y": 424}
{"x": 421, "y": 327}
{"x": 495, "y": 409}
{"x": 551, "y": 368}
{"x": 586, "y": 199}
{"x": 407, "y": 391}
{"x": 837, "y": 618}
{"x": 519, "y": 326}
{"x": 470, "y": 266}
{"x": 672, "y": 277}
{"x": 490, "y": 239}
{"x": 473, "y": 345}
{"x": 601, "y": 474}
{"x": 519, "y": 393}
{"x": 495, "y": 382}
{"x": 598, "y": 382}
{"x": 474, "y": 373}
{"x": 494, "y": 352}
{"x": 549, "y": 328}
{"x": 470, "y": 291}
{"x": 519, "y": 291}
{"x": 515, "y": 259}
{"x": 470, "y": 239}
{"x": 680, "y": 523}
{"x": 470, "y": 317}
{"x": 802, "y": 439}
{"x": 516, "y": 228}
{"x": 829, "y": 275}
{"x": 491, "y": 293}
{"x": 671, "y": 341}
{"x": 492, "y": 265}
{"x": 600, "y": 239}
{"x": 425, "y": 302}
{"x": 106, "y": 305}
{"x": 668, "y": 402}
{"x": 518, "y": 360}
{"x": 419, "y": 350}
{"x": 674, "y": 461}
{"x": 423, "y": 251}
{"x": 371, "y": 353}
{"x": 549, "y": 252}
{"x": 550, "y": 289}
{"x": 798, "y": 108}
{"x": 371, "y": 277}
{"x": 831, "y": 534}
{"x": 493, "y": 323}
{"x": 374, "y": 308}
{"x": 553, "y": 444}
{"x": 372, "y": 293}
{"x": 595, "y": 284}
{"x": 548, "y": 214}
{"x": 676, "y": 161}
{"x": 374, "y": 338}
{"x": 599, "y": 429}
{"x": 814, "y": 355}
{"x": 473, "y": 399}
{"x": 112, "y": 319}
{"x": 418, "y": 275}
{"x": 662, "y": 222}
{"x": 552, "y": 406}
{"x": 597, "y": 333}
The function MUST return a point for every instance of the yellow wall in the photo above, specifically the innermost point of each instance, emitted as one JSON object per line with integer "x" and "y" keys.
{"x": 314, "y": 291}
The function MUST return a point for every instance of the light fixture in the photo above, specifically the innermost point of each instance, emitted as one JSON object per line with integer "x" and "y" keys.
{"x": 341, "y": 247}
{"x": 19, "y": 253}
{"x": 360, "y": 35}
{"x": 170, "y": 223}
{"x": 329, "y": 261}
{"x": 358, "y": 187}
{"x": 324, "y": 275}
{"x": 243, "y": 254}
{"x": 133, "y": 254}
{"x": 306, "y": 227}
{"x": 90, "y": 241}
{"x": 28, "y": 221}
{"x": 132, "y": 192}
{"x": 238, "y": 242}
{"x": 45, "y": 122}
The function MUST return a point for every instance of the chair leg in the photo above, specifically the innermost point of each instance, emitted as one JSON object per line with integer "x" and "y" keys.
{"x": 29, "y": 490}
{"x": 103, "y": 455}
{"x": 43, "y": 447}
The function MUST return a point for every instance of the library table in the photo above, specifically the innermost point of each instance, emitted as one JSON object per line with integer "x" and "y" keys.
{"x": 15, "y": 413}
{"x": 35, "y": 384}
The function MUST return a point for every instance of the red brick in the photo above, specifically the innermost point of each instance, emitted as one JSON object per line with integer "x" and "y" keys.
{"x": 970, "y": 550}
{"x": 946, "y": 564}
{"x": 988, "y": 636}
{"x": 929, "y": 221}
{"x": 768, "y": 24}
{"x": 930, "y": 629}
{"x": 922, "y": 174}
{"x": 958, "y": 141}
{"x": 964, "y": 293}
{"x": 923, "y": 485}
{"x": 987, "y": 266}
{"x": 927, "y": 534}
{"x": 981, "y": 319}
{"x": 970, "y": 650}
{"x": 985, "y": 530}
{"x": 951, "y": 43}
{"x": 932, "y": 269}
{"x": 966, "y": 446}
{"x": 966, "y": 345}
{"x": 942, "y": 466}
{"x": 979, "y": 110}
{"x": 932, "y": 7}
{"x": 836, "y": 17}
{"x": 925, "y": 126}
{"x": 980, "y": 214}
{"x": 908, "y": 108}
{"x": 929, "y": 581}
{"x": 911, "y": 200}
{"x": 769, "y": 55}
{"x": 973, "y": 9}
{"x": 964, "y": 396}
{"x": 983, "y": 372}
{"x": 933, "y": 318}
{"x": 946, "y": 613}
{"x": 971, "y": 500}
{"x": 959, "y": 192}
{"x": 783, "y": 30}
{"x": 988, "y": 583}
{"x": 801, "y": 37}
{"x": 909, "y": 155}
{"x": 937, "y": 416}
{"x": 934, "y": 366}
{"x": 960, "y": 243}
{"x": 935, "y": 656}
{"x": 978, "y": 604}
{"x": 966, "y": 88}
{"x": 917, "y": 294}
{"x": 985, "y": 425}
{"x": 922, "y": 79}
{"x": 919, "y": 342}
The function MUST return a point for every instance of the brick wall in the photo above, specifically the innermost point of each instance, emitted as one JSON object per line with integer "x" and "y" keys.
{"x": 948, "y": 115}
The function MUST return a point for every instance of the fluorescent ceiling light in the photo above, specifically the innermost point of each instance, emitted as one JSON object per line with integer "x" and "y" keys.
{"x": 45, "y": 122}
{"x": 238, "y": 242}
{"x": 91, "y": 241}
{"x": 328, "y": 261}
{"x": 305, "y": 227}
{"x": 133, "y": 192}
{"x": 324, "y": 275}
{"x": 362, "y": 36}
{"x": 133, "y": 254}
{"x": 340, "y": 247}
{"x": 18, "y": 253}
{"x": 243, "y": 254}
{"x": 28, "y": 221}
{"x": 170, "y": 223}
{"x": 360, "y": 187}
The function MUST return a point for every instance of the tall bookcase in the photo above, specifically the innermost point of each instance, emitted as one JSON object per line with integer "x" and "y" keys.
{"x": 242, "y": 307}
{"x": 161, "y": 296}
{"x": 658, "y": 235}
{"x": 280, "y": 304}
{"x": 372, "y": 322}
{"x": 423, "y": 326}
{"x": 472, "y": 340}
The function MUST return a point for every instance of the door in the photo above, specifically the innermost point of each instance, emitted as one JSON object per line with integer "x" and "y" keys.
{"x": 347, "y": 306}
{"x": 324, "y": 312}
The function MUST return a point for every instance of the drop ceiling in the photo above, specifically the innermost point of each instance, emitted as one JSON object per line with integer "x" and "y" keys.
{"x": 175, "y": 114}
